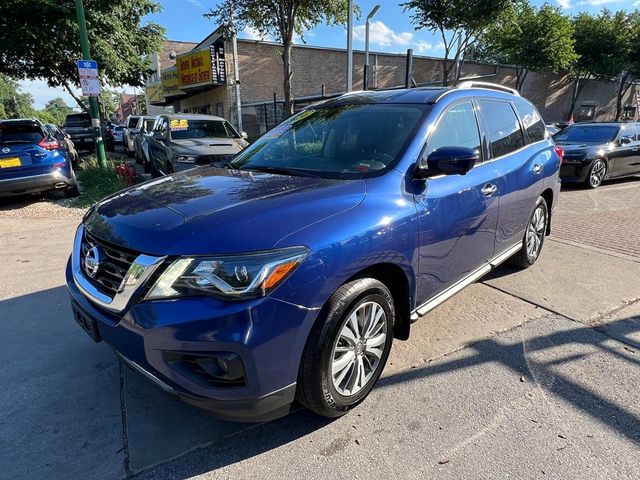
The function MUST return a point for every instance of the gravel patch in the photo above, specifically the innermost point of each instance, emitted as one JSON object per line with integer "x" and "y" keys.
{"x": 35, "y": 206}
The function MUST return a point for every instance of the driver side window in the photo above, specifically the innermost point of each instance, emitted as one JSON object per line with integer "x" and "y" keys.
{"x": 458, "y": 127}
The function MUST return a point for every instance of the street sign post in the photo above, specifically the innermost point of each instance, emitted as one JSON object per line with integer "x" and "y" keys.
{"x": 90, "y": 67}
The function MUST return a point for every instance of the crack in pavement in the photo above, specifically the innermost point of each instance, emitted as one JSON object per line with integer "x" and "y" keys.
{"x": 123, "y": 416}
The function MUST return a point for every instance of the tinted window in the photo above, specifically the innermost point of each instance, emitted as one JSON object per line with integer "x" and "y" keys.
{"x": 78, "y": 120}
{"x": 628, "y": 132}
{"x": 456, "y": 128}
{"x": 532, "y": 122}
{"x": 336, "y": 141}
{"x": 11, "y": 134}
{"x": 587, "y": 133}
{"x": 148, "y": 124}
{"x": 504, "y": 131}
{"x": 133, "y": 121}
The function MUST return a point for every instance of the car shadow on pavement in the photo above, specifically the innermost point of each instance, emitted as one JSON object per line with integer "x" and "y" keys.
{"x": 549, "y": 362}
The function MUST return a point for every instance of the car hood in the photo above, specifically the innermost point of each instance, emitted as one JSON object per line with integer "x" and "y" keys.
{"x": 205, "y": 146}
{"x": 210, "y": 210}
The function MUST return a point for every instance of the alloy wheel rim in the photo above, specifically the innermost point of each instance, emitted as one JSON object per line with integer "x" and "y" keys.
{"x": 358, "y": 350}
{"x": 535, "y": 232}
{"x": 597, "y": 173}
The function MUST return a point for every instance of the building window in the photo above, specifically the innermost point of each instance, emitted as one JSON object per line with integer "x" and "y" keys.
{"x": 629, "y": 111}
{"x": 586, "y": 111}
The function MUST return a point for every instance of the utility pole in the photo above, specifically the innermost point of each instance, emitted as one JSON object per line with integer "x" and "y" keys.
{"x": 366, "y": 47}
{"x": 93, "y": 101}
{"x": 350, "y": 47}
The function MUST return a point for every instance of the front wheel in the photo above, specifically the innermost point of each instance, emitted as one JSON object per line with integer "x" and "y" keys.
{"x": 347, "y": 348}
{"x": 533, "y": 237}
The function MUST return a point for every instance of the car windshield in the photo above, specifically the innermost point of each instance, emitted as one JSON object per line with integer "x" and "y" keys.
{"x": 587, "y": 134}
{"x": 182, "y": 128}
{"x": 15, "y": 134}
{"x": 344, "y": 141}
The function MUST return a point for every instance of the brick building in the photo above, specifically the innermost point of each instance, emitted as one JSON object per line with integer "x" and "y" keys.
{"x": 321, "y": 71}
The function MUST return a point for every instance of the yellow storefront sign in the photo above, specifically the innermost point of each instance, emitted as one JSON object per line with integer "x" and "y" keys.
{"x": 154, "y": 92}
{"x": 194, "y": 68}
{"x": 169, "y": 80}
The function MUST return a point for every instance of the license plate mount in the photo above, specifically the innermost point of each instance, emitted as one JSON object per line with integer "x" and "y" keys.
{"x": 87, "y": 323}
{"x": 10, "y": 162}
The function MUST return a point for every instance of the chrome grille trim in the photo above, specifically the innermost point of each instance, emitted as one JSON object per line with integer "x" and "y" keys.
{"x": 142, "y": 267}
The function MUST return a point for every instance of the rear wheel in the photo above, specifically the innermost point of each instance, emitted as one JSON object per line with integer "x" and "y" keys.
{"x": 533, "y": 237}
{"x": 72, "y": 190}
{"x": 347, "y": 348}
{"x": 597, "y": 173}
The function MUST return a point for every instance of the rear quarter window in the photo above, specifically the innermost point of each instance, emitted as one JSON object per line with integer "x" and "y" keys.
{"x": 503, "y": 128}
{"x": 533, "y": 123}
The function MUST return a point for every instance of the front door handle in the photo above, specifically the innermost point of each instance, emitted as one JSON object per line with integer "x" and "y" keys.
{"x": 488, "y": 190}
{"x": 536, "y": 169}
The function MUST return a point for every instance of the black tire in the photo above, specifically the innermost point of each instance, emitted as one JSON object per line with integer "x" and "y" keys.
{"x": 138, "y": 158}
{"x": 147, "y": 167}
{"x": 316, "y": 389}
{"x": 526, "y": 257}
{"x": 597, "y": 173}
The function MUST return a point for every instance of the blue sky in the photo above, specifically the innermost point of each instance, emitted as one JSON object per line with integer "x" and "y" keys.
{"x": 391, "y": 30}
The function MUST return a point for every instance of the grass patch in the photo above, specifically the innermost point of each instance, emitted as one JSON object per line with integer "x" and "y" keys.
{"x": 97, "y": 182}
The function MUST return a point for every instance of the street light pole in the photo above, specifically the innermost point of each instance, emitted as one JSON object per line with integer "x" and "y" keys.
{"x": 93, "y": 101}
{"x": 350, "y": 47}
{"x": 366, "y": 46}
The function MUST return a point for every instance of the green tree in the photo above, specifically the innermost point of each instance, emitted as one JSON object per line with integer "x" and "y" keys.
{"x": 281, "y": 19}
{"x": 14, "y": 103}
{"x": 532, "y": 39}
{"x": 55, "y": 111}
{"x": 40, "y": 39}
{"x": 454, "y": 20}
{"x": 600, "y": 41}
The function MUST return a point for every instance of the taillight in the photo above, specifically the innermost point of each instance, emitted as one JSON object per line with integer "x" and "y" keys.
{"x": 49, "y": 144}
{"x": 560, "y": 152}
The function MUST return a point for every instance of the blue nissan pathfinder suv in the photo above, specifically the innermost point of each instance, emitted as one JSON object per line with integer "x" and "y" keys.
{"x": 286, "y": 273}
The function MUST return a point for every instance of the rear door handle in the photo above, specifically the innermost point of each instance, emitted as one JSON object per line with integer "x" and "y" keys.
{"x": 536, "y": 168}
{"x": 488, "y": 190}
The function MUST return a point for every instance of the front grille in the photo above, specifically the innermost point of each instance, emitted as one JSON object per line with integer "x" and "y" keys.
{"x": 220, "y": 158}
{"x": 114, "y": 267}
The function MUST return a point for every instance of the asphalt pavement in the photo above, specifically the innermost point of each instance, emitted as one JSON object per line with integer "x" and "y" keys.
{"x": 524, "y": 374}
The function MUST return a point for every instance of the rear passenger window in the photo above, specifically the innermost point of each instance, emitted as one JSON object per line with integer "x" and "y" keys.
{"x": 503, "y": 128}
{"x": 532, "y": 122}
{"x": 456, "y": 128}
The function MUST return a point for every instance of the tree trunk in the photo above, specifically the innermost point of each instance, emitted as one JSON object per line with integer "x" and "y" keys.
{"x": 445, "y": 70}
{"x": 80, "y": 103}
{"x": 578, "y": 85}
{"x": 622, "y": 90}
{"x": 288, "y": 75}
{"x": 521, "y": 76}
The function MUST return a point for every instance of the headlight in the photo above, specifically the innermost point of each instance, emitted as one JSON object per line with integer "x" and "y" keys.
{"x": 186, "y": 159}
{"x": 228, "y": 277}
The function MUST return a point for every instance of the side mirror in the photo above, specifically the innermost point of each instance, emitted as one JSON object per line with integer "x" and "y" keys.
{"x": 449, "y": 161}
{"x": 158, "y": 136}
{"x": 244, "y": 135}
{"x": 624, "y": 140}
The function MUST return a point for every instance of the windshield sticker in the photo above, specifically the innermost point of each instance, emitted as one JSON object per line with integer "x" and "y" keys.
{"x": 181, "y": 124}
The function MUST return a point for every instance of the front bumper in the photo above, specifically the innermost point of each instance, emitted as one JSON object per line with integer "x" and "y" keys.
{"x": 34, "y": 183}
{"x": 267, "y": 334}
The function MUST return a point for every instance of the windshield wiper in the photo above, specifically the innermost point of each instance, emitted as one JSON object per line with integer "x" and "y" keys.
{"x": 280, "y": 171}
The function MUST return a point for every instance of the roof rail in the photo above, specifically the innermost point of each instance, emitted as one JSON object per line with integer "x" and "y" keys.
{"x": 490, "y": 86}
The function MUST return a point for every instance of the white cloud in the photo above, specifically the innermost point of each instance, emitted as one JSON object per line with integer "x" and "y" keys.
{"x": 424, "y": 46}
{"x": 251, "y": 33}
{"x": 564, "y": 3}
{"x": 42, "y": 93}
{"x": 197, "y": 4}
{"x": 598, "y": 3}
{"x": 383, "y": 36}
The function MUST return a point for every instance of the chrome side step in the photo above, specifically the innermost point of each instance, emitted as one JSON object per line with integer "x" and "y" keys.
{"x": 466, "y": 281}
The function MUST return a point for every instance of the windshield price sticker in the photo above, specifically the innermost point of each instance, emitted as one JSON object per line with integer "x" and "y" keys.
{"x": 181, "y": 124}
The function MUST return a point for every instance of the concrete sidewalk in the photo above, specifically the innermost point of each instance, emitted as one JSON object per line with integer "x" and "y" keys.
{"x": 525, "y": 374}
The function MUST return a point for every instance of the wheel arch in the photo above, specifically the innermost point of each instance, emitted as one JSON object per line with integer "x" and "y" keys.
{"x": 548, "y": 198}
{"x": 395, "y": 279}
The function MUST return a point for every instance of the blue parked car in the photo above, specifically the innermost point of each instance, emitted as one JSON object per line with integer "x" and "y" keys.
{"x": 286, "y": 275}
{"x": 32, "y": 160}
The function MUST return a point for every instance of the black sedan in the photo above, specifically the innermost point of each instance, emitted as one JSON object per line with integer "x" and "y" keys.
{"x": 594, "y": 152}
